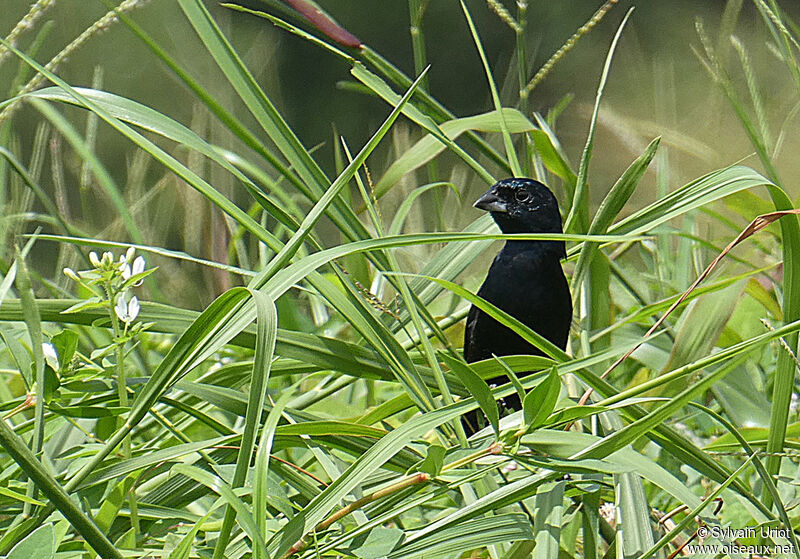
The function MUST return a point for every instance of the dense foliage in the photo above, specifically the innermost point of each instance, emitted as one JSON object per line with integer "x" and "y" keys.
{"x": 311, "y": 407}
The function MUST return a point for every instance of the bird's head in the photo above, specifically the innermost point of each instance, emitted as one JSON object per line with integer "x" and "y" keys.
{"x": 522, "y": 206}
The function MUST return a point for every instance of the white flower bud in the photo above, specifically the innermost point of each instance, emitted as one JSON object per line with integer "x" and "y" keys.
{"x": 94, "y": 259}
{"x": 70, "y": 273}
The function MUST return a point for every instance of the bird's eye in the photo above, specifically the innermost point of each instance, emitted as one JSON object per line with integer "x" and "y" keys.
{"x": 522, "y": 196}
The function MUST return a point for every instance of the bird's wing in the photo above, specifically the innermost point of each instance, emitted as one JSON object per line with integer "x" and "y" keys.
{"x": 469, "y": 349}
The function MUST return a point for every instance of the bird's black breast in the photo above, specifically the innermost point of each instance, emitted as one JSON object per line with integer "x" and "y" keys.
{"x": 529, "y": 284}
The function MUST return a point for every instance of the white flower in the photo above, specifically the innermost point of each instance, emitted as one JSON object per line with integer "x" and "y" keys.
{"x": 121, "y": 308}
{"x": 138, "y": 268}
{"x": 108, "y": 258}
{"x": 138, "y": 265}
{"x": 127, "y": 311}
{"x": 49, "y": 351}
{"x": 70, "y": 273}
{"x": 134, "y": 307}
{"x": 609, "y": 512}
{"x": 129, "y": 254}
{"x": 94, "y": 259}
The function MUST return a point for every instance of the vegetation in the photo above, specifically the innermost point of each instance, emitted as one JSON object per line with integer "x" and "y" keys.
{"x": 311, "y": 407}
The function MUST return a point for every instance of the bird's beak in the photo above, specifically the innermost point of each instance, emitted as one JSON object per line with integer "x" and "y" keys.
{"x": 490, "y": 202}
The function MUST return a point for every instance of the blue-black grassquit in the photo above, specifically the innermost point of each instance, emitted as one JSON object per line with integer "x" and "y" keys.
{"x": 525, "y": 280}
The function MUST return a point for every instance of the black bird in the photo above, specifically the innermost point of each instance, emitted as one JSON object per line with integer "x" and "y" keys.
{"x": 525, "y": 280}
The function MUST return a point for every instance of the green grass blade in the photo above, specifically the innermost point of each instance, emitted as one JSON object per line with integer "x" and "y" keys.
{"x": 429, "y": 147}
{"x": 243, "y": 515}
{"x": 548, "y": 511}
{"x": 260, "y": 484}
{"x": 267, "y": 321}
{"x": 286, "y": 253}
{"x": 55, "y": 494}
{"x": 477, "y": 388}
{"x": 251, "y": 94}
{"x": 85, "y": 153}
{"x": 144, "y": 117}
{"x": 511, "y": 152}
{"x": 472, "y": 534}
{"x": 358, "y": 471}
{"x": 610, "y": 208}
{"x": 377, "y": 85}
{"x": 265, "y": 113}
{"x": 577, "y": 219}
{"x": 170, "y": 162}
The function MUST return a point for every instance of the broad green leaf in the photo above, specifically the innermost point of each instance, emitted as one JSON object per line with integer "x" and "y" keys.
{"x": 379, "y": 543}
{"x": 65, "y": 344}
{"x": 41, "y": 544}
{"x": 112, "y": 503}
{"x": 540, "y": 402}
{"x": 434, "y": 460}
{"x": 19, "y": 497}
{"x": 477, "y": 387}
{"x": 51, "y": 384}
